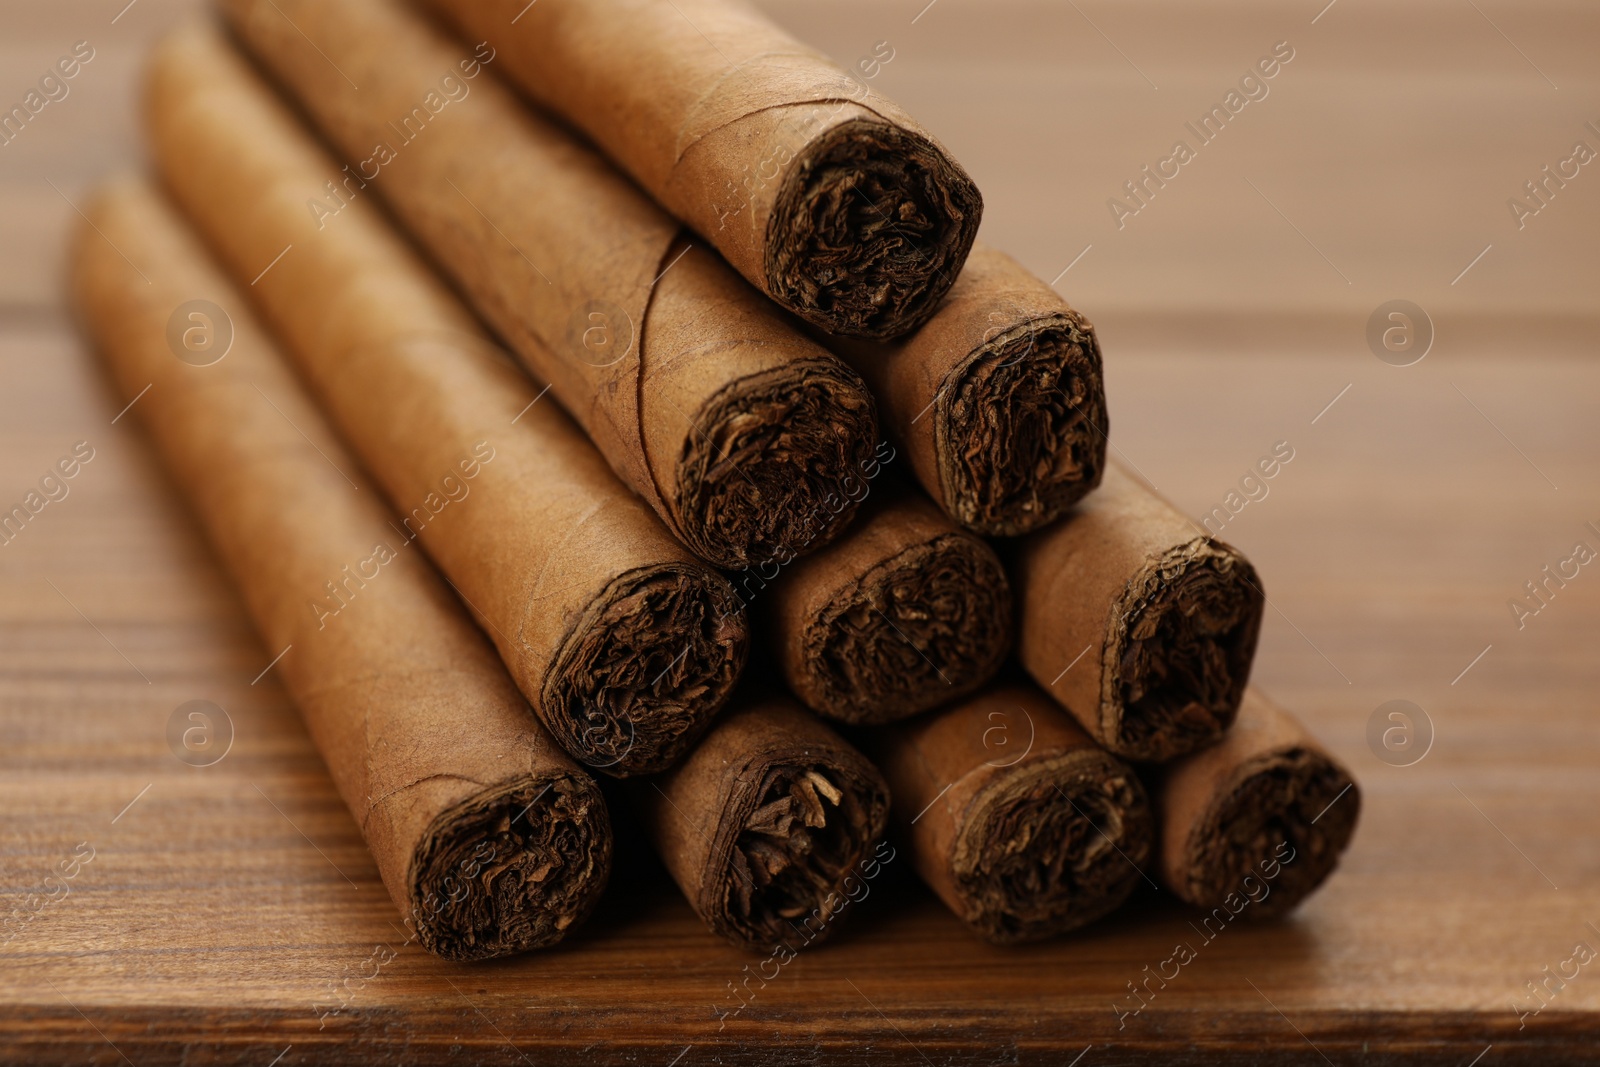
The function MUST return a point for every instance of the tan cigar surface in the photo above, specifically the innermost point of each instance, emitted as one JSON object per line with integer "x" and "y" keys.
{"x": 998, "y": 400}
{"x": 623, "y": 642}
{"x": 699, "y": 393}
{"x": 765, "y": 822}
{"x": 1137, "y": 622}
{"x": 487, "y": 836}
{"x": 904, "y": 612}
{"x": 823, "y": 193}
{"x": 1015, "y": 817}
{"x": 1258, "y": 821}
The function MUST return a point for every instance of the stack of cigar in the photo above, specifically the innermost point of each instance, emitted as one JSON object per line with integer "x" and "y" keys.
{"x": 754, "y": 402}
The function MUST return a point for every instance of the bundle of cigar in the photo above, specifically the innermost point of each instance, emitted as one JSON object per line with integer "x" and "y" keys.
{"x": 730, "y": 264}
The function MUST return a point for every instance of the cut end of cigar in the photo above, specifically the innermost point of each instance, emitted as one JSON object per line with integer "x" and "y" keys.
{"x": 647, "y": 667}
{"x": 926, "y": 626}
{"x": 1053, "y": 845}
{"x": 511, "y": 870}
{"x": 870, "y": 228}
{"x": 776, "y": 467}
{"x": 1274, "y": 836}
{"x": 808, "y": 826}
{"x": 1021, "y": 427}
{"x": 1178, "y": 653}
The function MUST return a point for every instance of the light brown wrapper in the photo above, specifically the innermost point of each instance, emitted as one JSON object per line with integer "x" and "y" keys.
{"x": 625, "y": 644}
{"x": 904, "y": 612}
{"x": 1258, "y": 821}
{"x": 764, "y": 821}
{"x": 1136, "y": 621}
{"x": 457, "y": 789}
{"x": 824, "y": 194}
{"x": 699, "y": 393}
{"x": 1022, "y": 825}
{"x": 998, "y": 400}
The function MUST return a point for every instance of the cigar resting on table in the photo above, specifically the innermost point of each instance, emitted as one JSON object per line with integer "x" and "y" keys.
{"x": 703, "y": 397}
{"x": 624, "y": 643}
{"x": 765, "y": 822}
{"x": 1022, "y": 825}
{"x": 826, "y": 195}
{"x": 1137, "y": 621}
{"x": 490, "y": 840}
{"x": 905, "y": 611}
{"x": 1258, "y": 821}
{"x": 998, "y": 400}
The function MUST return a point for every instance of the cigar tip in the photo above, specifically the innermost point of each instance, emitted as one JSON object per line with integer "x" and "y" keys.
{"x": 640, "y": 675}
{"x": 1020, "y": 428}
{"x": 1178, "y": 650}
{"x": 870, "y": 229}
{"x": 1051, "y": 844}
{"x": 927, "y": 625}
{"x": 809, "y": 821}
{"x": 779, "y": 464}
{"x": 1274, "y": 835}
{"x": 511, "y": 869}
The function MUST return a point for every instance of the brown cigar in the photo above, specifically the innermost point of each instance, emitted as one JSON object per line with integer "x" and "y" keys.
{"x": 998, "y": 400}
{"x": 904, "y": 612}
{"x": 702, "y": 395}
{"x": 765, "y": 821}
{"x": 1137, "y": 622}
{"x": 489, "y": 839}
{"x": 827, "y": 196}
{"x": 1258, "y": 821}
{"x": 624, "y": 643}
{"x": 1016, "y": 818}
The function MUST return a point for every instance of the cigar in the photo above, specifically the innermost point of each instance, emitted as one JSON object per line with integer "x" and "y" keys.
{"x": 489, "y": 839}
{"x": 998, "y": 400}
{"x": 765, "y": 822}
{"x": 623, "y": 642}
{"x": 904, "y": 612}
{"x": 825, "y": 195}
{"x": 1258, "y": 821}
{"x": 1137, "y": 622}
{"x": 1022, "y": 825}
{"x": 700, "y": 394}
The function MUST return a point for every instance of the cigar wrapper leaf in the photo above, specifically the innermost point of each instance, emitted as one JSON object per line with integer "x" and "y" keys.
{"x": 489, "y": 839}
{"x": 822, "y": 192}
{"x": 624, "y": 643}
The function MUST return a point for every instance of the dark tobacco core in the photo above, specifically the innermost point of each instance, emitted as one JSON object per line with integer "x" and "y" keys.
{"x": 1290, "y": 811}
{"x": 811, "y": 823}
{"x": 870, "y": 228}
{"x": 511, "y": 870}
{"x": 1052, "y": 846}
{"x": 1020, "y": 430}
{"x": 1178, "y": 653}
{"x": 647, "y": 666}
{"x": 774, "y": 464}
{"x": 923, "y": 627}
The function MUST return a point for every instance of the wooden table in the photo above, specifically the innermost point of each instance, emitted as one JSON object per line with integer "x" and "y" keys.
{"x": 223, "y": 903}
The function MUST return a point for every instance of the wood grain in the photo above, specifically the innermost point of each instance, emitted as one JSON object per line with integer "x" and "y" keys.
{"x": 221, "y": 906}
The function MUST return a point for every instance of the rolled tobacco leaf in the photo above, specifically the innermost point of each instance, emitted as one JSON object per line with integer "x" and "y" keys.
{"x": 489, "y": 839}
{"x": 764, "y": 821}
{"x": 903, "y": 612}
{"x": 998, "y": 400}
{"x": 1021, "y": 824}
{"x": 700, "y": 394}
{"x": 1258, "y": 821}
{"x": 825, "y": 195}
{"x": 624, "y": 643}
{"x": 1137, "y": 622}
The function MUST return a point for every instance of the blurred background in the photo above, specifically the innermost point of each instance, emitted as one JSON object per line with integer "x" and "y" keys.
{"x": 1377, "y": 165}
